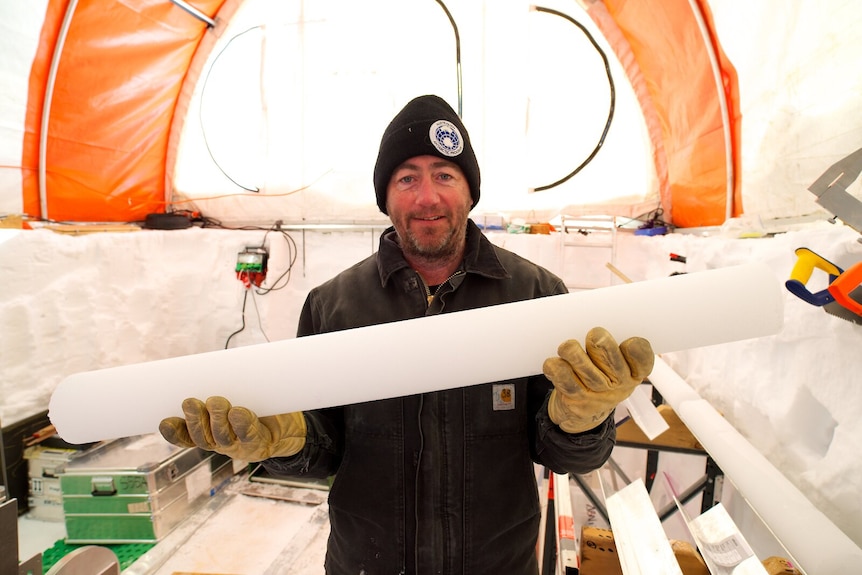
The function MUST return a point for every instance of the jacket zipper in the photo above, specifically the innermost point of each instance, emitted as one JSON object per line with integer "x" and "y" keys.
{"x": 429, "y": 297}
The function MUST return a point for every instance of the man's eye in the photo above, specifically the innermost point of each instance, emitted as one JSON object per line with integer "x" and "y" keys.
{"x": 406, "y": 179}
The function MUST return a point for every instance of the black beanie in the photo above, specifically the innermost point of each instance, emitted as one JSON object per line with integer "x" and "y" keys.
{"x": 427, "y": 125}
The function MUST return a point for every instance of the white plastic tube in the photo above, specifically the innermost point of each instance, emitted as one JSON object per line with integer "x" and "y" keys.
{"x": 420, "y": 355}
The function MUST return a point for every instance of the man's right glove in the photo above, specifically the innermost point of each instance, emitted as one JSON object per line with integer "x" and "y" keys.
{"x": 589, "y": 383}
{"x": 235, "y": 431}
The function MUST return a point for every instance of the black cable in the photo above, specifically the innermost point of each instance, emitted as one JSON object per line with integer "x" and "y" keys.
{"x": 292, "y": 250}
{"x": 417, "y": 476}
{"x": 201, "y": 108}
{"x": 457, "y": 57}
{"x": 291, "y": 254}
{"x": 208, "y": 222}
{"x": 244, "y": 299}
{"x": 612, "y": 98}
{"x": 650, "y": 219}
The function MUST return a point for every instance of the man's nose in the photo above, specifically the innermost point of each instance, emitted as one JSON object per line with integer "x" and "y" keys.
{"x": 427, "y": 192}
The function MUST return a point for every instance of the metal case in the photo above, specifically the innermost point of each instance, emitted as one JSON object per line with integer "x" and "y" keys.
{"x": 137, "y": 489}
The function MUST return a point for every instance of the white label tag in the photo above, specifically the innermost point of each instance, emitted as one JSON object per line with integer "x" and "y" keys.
{"x": 504, "y": 396}
{"x": 729, "y": 552}
{"x": 138, "y": 507}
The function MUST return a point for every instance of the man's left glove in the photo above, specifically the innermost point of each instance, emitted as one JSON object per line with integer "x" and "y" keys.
{"x": 590, "y": 381}
{"x": 235, "y": 431}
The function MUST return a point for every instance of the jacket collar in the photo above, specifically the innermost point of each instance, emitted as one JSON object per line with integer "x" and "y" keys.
{"x": 480, "y": 256}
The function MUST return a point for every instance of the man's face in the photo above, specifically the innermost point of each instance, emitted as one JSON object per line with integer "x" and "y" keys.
{"x": 428, "y": 200}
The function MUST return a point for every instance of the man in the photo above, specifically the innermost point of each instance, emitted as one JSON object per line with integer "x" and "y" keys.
{"x": 440, "y": 482}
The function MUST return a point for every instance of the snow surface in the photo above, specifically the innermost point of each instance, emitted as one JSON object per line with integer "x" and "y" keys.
{"x": 79, "y": 302}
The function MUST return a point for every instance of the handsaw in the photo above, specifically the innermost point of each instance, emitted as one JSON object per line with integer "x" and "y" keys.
{"x": 841, "y": 298}
{"x": 831, "y": 190}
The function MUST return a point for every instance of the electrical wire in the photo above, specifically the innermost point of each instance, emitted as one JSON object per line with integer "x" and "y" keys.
{"x": 651, "y": 219}
{"x": 242, "y": 328}
{"x": 292, "y": 253}
{"x": 457, "y": 58}
{"x": 417, "y": 475}
{"x": 612, "y": 98}
{"x": 201, "y": 107}
{"x": 222, "y": 196}
{"x": 257, "y": 312}
{"x": 262, "y": 196}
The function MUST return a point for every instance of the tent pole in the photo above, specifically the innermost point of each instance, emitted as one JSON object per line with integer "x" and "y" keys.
{"x": 195, "y": 12}
{"x": 722, "y": 102}
{"x": 46, "y": 107}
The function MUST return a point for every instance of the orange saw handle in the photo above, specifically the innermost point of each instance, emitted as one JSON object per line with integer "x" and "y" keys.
{"x": 843, "y": 286}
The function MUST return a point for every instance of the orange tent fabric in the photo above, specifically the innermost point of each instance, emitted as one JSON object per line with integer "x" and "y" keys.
{"x": 672, "y": 66}
{"x": 117, "y": 84}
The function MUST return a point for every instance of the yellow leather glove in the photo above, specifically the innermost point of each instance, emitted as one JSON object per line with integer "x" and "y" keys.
{"x": 589, "y": 383}
{"x": 235, "y": 431}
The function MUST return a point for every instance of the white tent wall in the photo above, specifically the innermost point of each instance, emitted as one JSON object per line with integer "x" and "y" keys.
{"x": 299, "y": 122}
{"x": 800, "y": 81}
{"x": 799, "y": 78}
{"x": 303, "y": 70}
{"x": 19, "y": 33}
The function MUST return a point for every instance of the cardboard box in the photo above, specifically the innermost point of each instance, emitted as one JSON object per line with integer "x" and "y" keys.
{"x": 599, "y": 554}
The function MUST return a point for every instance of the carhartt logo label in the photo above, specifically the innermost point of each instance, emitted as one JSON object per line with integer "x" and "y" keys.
{"x": 504, "y": 396}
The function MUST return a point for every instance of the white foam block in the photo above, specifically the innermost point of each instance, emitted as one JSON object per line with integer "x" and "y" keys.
{"x": 420, "y": 355}
{"x": 642, "y": 544}
{"x": 645, "y": 414}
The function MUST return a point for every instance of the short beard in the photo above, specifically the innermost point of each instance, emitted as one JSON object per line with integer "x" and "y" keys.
{"x": 447, "y": 247}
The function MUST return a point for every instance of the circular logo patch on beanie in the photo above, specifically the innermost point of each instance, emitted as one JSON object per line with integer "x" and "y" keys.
{"x": 446, "y": 138}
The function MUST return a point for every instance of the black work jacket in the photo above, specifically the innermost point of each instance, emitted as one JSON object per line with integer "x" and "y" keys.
{"x": 443, "y": 482}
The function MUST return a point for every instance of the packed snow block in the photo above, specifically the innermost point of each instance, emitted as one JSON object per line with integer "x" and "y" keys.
{"x": 494, "y": 343}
